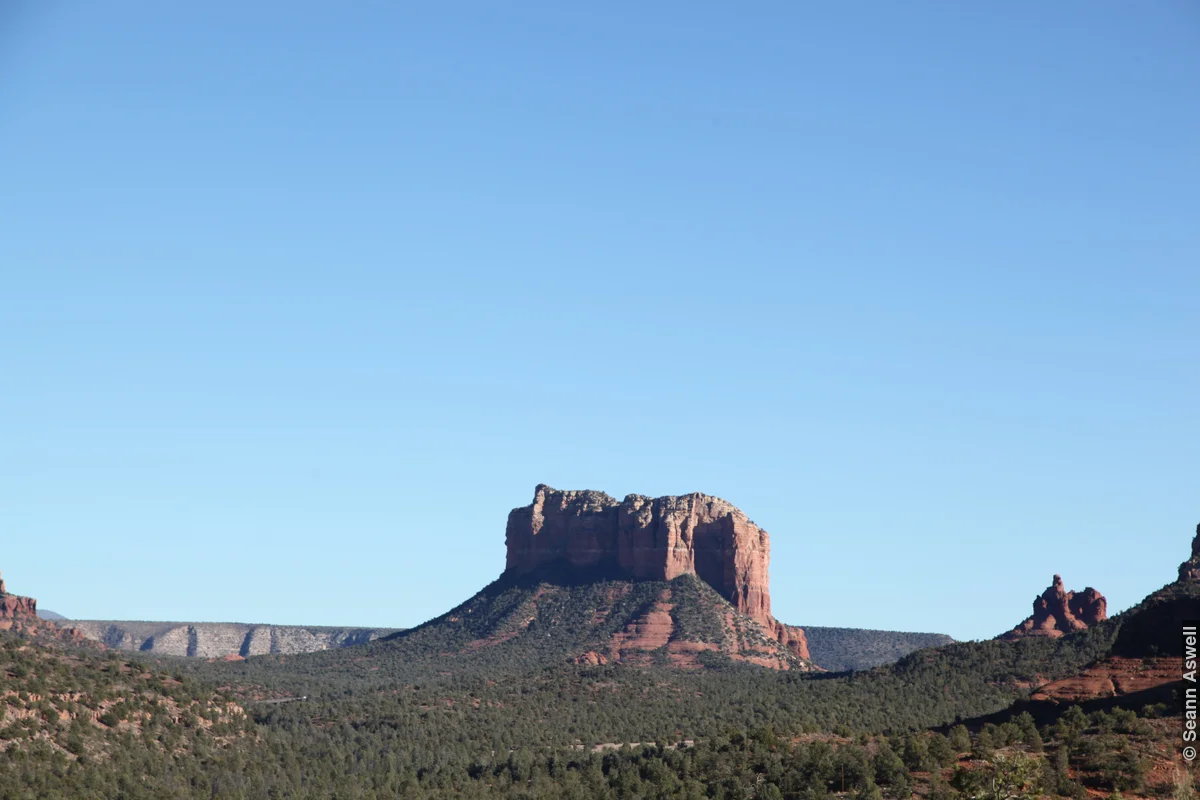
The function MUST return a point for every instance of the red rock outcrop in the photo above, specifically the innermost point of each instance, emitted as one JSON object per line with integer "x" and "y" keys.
{"x": 1057, "y": 612}
{"x": 19, "y": 613}
{"x": 15, "y": 607}
{"x": 744, "y": 640}
{"x": 793, "y": 639}
{"x": 590, "y": 658}
{"x": 654, "y": 539}
{"x": 1112, "y": 676}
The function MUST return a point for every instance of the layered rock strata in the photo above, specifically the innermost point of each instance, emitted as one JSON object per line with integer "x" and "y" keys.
{"x": 657, "y": 538}
{"x": 220, "y": 639}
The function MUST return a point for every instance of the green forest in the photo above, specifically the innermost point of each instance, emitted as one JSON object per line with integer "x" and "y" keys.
{"x": 424, "y": 715}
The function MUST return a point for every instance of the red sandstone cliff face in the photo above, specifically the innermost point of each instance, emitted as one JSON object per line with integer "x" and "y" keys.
{"x": 665, "y": 537}
{"x": 14, "y": 606}
{"x": 1057, "y": 611}
{"x": 18, "y": 612}
{"x": 655, "y": 539}
{"x": 793, "y": 638}
{"x": 576, "y": 527}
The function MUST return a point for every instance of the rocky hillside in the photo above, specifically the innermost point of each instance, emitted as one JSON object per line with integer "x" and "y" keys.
{"x": 542, "y": 619}
{"x": 62, "y": 708}
{"x": 222, "y": 639}
{"x": 656, "y": 539}
{"x": 1139, "y": 664}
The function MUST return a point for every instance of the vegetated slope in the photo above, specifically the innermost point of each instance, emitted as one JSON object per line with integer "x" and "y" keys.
{"x": 1154, "y": 626}
{"x": 843, "y": 649}
{"x": 218, "y": 639}
{"x": 500, "y": 668}
{"x": 93, "y": 724}
{"x": 492, "y": 700}
{"x": 1139, "y": 669}
{"x": 1113, "y": 724}
{"x": 550, "y": 617}
{"x": 400, "y": 719}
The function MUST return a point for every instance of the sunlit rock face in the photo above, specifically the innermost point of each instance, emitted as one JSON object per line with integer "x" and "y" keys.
{"x": 16, "y": 607}
{"x": 656, "y": 538}
{"x": 1057, "y": 611}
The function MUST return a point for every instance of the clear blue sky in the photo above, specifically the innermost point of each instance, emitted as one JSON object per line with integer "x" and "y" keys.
{"x": 299, "y": 299}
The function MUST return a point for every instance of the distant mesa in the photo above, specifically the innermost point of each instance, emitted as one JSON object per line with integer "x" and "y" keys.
{"x": 49, "y": 615}
{"x": 223, "y": 639}
{"x": 655, "y": 539}
{"x": 844, "y": 649}
{"x": 1057, "y": 612}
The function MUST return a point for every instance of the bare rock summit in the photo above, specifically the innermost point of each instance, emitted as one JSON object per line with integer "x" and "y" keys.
{"x": 1057, "y": 612}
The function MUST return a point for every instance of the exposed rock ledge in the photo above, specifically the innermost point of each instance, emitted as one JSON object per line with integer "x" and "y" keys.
{"x": 221, "y": 639}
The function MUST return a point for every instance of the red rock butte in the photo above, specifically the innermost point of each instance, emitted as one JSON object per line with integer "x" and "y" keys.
{"x": 647, "y": 538}
{"x": 15, "y": 607}
{"x": 1057, "y": 612}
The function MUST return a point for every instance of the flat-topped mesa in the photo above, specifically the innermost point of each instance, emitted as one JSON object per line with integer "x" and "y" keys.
{"x": 15, "y": 607}
{"x": 657, "y": 538}
{"x": 1057, "y": 612}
